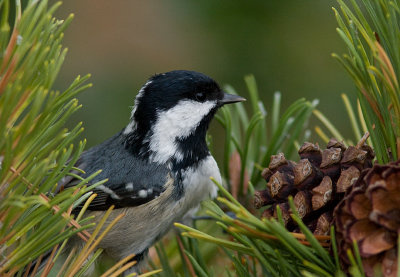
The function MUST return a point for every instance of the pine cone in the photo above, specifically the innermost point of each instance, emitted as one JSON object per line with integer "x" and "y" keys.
{"x": 317, "y": 182}
{"x": 370, "y": 215}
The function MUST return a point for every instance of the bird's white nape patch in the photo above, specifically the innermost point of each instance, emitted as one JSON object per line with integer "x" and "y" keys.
{"x": 132, "y": 124}
{"x": 176, "y": 123}
{"x": 130, "y": 128}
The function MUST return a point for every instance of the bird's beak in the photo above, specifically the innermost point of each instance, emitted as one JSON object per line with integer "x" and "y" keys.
{"x": 231, "y": 98}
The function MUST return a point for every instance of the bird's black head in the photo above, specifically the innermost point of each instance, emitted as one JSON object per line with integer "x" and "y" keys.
{"x": 164, "y": 91}
{"x": 171, "y": 115}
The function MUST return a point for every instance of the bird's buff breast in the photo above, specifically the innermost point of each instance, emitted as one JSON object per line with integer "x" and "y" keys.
{"x": 141, "y": 226}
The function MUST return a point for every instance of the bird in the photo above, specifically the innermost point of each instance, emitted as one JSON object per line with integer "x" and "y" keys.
{"x": 158, "y": 167}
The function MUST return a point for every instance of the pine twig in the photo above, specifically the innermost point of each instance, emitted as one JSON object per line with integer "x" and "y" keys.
{"x": 84, "y": 235}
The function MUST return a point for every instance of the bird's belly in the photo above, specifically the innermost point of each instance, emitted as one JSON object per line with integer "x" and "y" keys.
{"x": 141, "y": 226}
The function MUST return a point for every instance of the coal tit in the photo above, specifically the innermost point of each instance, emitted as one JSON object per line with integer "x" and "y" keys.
{"x": 159, "y": 166}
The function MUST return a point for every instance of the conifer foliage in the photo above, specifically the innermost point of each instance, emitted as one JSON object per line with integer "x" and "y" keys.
{"x": 36, "y": 150}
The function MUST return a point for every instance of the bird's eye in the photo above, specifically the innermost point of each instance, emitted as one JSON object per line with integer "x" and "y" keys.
{"x": 200, "y": 96}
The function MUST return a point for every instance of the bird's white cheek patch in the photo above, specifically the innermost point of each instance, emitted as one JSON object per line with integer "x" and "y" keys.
{"x": 176, "y": 123}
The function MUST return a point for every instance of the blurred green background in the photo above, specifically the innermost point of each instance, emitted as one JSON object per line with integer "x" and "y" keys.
{"x": 285, "y": 44}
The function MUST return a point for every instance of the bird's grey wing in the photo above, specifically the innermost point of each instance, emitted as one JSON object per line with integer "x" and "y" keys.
{"x": 123, "y": 195}
{"x": 131, "y": 181}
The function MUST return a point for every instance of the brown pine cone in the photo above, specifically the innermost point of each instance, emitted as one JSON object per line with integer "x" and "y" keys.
{"x": 317, "y": 182}
{"x": 370, "y": 215}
